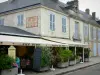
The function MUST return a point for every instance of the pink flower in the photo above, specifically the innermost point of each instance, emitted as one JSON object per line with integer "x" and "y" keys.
{"x": 15, "y": 65}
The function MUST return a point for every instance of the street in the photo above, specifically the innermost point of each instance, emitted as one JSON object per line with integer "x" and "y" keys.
{"x": 94, "y": 70}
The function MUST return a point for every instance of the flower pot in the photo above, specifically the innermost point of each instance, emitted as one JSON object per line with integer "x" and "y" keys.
{"x": 86, "y": 60}
{"x": 63, "y": 65}
{"x": 13, "y": 71}
{"x": 71, "y": 63}
{"x": 44, "y": 69}
{"x": 77, "y": 61}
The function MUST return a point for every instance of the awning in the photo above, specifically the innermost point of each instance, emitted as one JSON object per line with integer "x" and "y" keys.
{"x": 15, "y": 40}
{"x": 66, "y": 41}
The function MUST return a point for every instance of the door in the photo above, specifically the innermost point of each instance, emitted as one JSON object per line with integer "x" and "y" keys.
{"x": 99, "y": 49}
{"x": 94, "y": 49}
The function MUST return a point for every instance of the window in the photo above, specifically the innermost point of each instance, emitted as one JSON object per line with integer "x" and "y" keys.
{"x": 94, "y": 33}
{"x": 99, "y": 34}
{"x": 64, "y": 24}
{"x": 76, "y": 35}
{"x": 91, "y": 30}
{"x": 52, "y": 22}
{"x": 1, "y": 21}
{"x": 20, "y": 19}
{"x": 86, "y": 32}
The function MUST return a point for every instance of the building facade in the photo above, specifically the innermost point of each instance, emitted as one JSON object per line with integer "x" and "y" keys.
{"x": 54, "y": 21}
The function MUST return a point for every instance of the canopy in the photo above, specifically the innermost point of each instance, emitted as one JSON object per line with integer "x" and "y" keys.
{"x": 66, "y": 41}
{"x": 16, "y": 40}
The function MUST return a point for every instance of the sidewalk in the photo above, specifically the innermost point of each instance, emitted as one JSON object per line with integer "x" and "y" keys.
{"x": 93, "y": 61}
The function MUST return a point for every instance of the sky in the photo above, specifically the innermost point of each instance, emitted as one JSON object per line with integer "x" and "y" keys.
{"x": 93, "y": 5}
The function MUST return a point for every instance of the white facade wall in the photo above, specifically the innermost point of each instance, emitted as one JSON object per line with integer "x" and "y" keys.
{"x": 11, "y": 20}
{"x": 72, "y": 29}
{"x": 45, "y": 24}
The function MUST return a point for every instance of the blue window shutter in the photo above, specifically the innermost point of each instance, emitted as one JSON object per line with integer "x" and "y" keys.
{"x": 50, "y": 17}
{"x": 53, "y": 22}
{"x": 22, "y": 17}
{"x": 76, "y": 30}
{"x": 64, "y": 24}
{"x": 1, "y": 21}
{"x": 50, "y": 21}
{"x": 18, "y": 17}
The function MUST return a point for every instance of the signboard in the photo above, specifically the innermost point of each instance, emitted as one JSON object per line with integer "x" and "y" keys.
{"x": 37, "y": 59}
{"x": 32, "y": 22}
{"x": 12, "y": 51}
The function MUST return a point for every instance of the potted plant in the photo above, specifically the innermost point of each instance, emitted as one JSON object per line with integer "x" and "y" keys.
{"x": 72, "y": 60}
{"x": 7, "y": 65}
{"x": 77, "y": 59}
{"x": 42, "y": 59}
{"x": 63, "y": 58}
{"x": 45, "y": 59}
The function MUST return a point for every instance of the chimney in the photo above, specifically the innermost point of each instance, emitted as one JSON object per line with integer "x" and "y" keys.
{"x": 94, "y": 15}
{"x": 87, "y": 11}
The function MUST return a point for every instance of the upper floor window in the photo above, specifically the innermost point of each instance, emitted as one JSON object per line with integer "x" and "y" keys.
{"x": 94, "y": 33}
{"x": 91, "y": 32}
{"x": 20, "y": 19}
{"x": 99, "y": 34}
{"x": 86, "y": 32}
{"x": 76, "y": 34}
{"x": 64, "y": 24}
{"x": 1, "y": 21}
{"x": 52, "y": 22}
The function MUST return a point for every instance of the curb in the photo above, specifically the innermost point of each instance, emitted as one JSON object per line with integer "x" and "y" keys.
{"x": 77, "y": 69}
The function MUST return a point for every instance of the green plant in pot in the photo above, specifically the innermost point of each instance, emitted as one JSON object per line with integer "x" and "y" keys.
{"x": 72, "y": 59}
{"x": 45, "y": 58}
{"x": 63, "y": 57}
{"x": 77, "y": 59}
{"x": 6, "y": 63}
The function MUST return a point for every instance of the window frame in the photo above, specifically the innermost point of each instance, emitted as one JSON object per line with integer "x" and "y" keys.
{"x": 64, "y": 24}
{"x": 52, "y": 21}
{"x": 20, "y": 20}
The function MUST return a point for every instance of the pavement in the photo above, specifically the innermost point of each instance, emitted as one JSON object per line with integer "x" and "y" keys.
{"x": 92, "y": 61}
{"x": 93, "y": 70}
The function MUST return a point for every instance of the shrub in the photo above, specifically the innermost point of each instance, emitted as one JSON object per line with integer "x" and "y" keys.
{"x": 63, "y": 55}
{"x": 46, "y": 57}
{"x": 6, "y": 62}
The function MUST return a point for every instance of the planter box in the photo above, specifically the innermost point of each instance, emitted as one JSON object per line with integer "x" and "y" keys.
{"x": 13, "y": 71}
{"x": 43, "y": 69}
{"x": 86, "y": 60}
{"x": 63, "y": 65}
{"x": 77, "y": 61}
{"x": 71, "y": 63}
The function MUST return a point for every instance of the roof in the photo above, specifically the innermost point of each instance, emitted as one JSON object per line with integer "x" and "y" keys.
{"x": 7, "y": 30}
{"x": 17, "y": 4}
{"x": 56, "y": 5}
